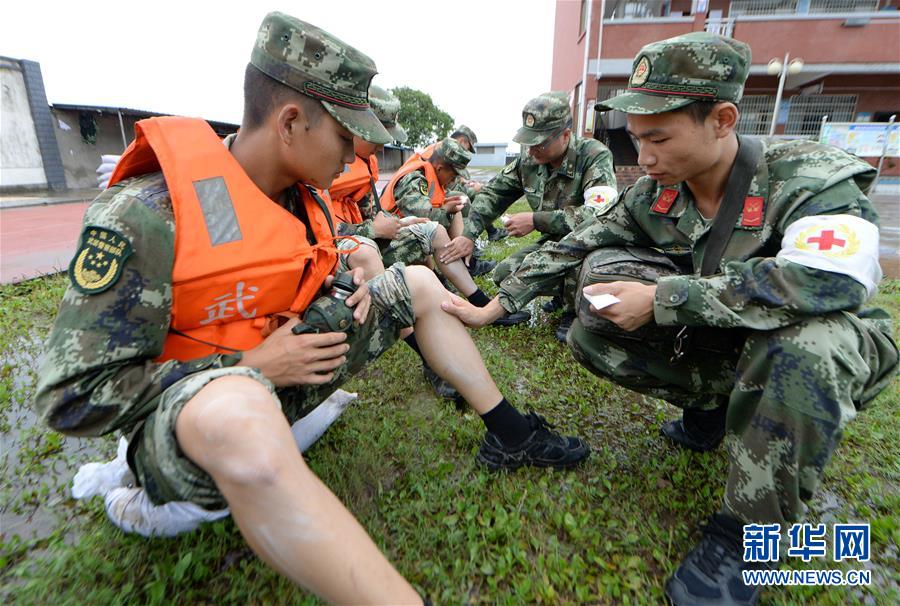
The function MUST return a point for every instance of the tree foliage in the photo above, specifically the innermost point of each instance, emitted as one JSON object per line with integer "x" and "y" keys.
{"x": 423, "y": 120}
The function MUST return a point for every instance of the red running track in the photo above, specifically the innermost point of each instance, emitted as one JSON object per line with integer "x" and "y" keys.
{"x": 38, "y": 240}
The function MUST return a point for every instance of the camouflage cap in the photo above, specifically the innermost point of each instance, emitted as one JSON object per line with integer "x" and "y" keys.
{"x": 676, "y": 72}
{"x": 317, "y": 64}
{"x": 543, "y": 117}
{"x": 462, "y": 129}
{"x": 387, "y": 107}
{"x": 455, "y": 155}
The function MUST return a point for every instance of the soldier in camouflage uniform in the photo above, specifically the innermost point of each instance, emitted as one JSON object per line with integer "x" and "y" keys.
{"x": 383, "y": 239}
{"x": 556, "y": 172}
{"x": 784, "y": 354}
{"x": 215, "y": 430}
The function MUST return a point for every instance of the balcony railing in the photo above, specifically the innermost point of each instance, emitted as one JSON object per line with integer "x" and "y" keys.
{"x": 791, "y": 7}
{"x": 722, "y": 27}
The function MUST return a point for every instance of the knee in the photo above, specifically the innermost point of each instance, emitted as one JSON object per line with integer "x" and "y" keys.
{"x": 231, "y": 430}
{"x": 424, "y": 286}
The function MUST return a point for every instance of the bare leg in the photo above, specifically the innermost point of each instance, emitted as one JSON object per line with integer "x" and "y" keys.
{"x": 447, "y": 345}
{"x": 456, "y": 271}
{"x": 369, "y": 259}
{"x": 234, "y": 430}
{"x": 456, "y": 229}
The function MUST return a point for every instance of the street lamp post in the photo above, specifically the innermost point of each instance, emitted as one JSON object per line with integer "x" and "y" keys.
{"x": 777, "y": 68}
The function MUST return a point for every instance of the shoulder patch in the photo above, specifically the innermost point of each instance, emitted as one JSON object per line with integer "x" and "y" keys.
{"x": 600, "y": 198}
{"x": 99, "y": 260}
{"x": 509, "y": 168}
{"x": 423, "y": 187}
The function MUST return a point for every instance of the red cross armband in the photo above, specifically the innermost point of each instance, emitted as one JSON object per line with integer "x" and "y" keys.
{"x": 842, "y": 244}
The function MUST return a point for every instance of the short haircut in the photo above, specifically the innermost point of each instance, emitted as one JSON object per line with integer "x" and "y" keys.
{"x": 698, "y": 111}
{"x": 263, "y": 95}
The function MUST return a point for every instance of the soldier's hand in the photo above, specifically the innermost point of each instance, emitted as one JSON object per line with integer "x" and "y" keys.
{"x": 635, "y": 307}
{"x": 454, "y": 204}
{"x": 469, "y": 314}
{"x": 287, "y": 359}
{"x": 361, "y": 299}
{"x": 385, "y": 226}
{"x": 459, "y": 247}
{"x": 520, "y": 224}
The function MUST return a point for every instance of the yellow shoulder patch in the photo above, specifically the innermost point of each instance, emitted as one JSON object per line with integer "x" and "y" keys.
{"x": 99, "y": 260}
{"x": 423, "y": 187}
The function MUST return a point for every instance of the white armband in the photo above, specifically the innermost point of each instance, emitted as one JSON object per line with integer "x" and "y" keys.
{"x": 600, "y": 198}
{"x": 842, "y": 244}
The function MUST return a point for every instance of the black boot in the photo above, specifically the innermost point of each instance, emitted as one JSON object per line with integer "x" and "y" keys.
{"x": 511, "y": 319}
{"x": 565, "y": 323}
{"x": 496, "y": 233}
{"x": 479, "y": 267}
{"x": 710, "y": 575}
{"x": 542, "y": 448}
{"x": 441, "y": 388}
{"x": 552, "y": 305}
{"x": 697, "y": 430}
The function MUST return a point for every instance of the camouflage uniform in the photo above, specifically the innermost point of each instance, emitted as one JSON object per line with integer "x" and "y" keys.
{"x": 784, "y": 342}
{"x": 413, "y": 244}
{"x": 412, "y": 191}
{"x": 99, "y": 373}
{"x": 556, "y": 196}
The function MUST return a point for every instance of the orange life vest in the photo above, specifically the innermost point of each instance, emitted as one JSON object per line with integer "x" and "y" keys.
{"x": 351, "y": 187}
{"x": 239, "y": 256}
{"x": 435, "y": 191}
{"x": 428, "y": 151}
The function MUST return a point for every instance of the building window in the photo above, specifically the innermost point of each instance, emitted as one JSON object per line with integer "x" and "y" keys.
{"x": 637, "y": 9}
{"x": 583, "y": 17}
{"x": 756, "y": 114}
{"x": 805, "y": 116}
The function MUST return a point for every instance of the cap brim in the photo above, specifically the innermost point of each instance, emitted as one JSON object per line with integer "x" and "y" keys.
{"x": 462, "y": 172}
{"x": 529, "y": 136}
{"x": 640, "y": 103}
{"x": 360, "y": 122}
{"x": 398, "y": 133}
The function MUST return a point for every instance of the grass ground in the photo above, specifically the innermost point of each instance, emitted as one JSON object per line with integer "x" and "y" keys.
{"x": 609, "y": 532}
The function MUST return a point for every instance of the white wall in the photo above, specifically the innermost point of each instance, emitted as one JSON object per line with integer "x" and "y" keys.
{"x": 20, "y": 155}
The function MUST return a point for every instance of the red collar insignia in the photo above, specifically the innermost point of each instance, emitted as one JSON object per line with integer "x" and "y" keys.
{"x": 752, "y": 214}
{"x": 665, "y": 201}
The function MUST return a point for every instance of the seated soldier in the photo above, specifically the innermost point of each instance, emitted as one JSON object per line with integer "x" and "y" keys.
{"x": 741, "y": 267}
{"x": 383, "y": 238}
{"x": 190, "y": 259}
{"x": 421, "y": 188}
{"x": 557, "y": 172}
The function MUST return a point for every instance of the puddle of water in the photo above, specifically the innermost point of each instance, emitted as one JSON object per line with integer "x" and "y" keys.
{"x": 37, "y": 464}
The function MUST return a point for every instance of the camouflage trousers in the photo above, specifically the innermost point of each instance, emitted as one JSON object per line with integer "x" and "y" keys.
{"x": 412, "y": 246}
{"x": 564, "y": 287}
{"x": 790, "y": 392}
{"x": 159, "y": 464}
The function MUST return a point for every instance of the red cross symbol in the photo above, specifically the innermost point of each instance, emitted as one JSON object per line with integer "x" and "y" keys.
{"x": 826, "y": 240}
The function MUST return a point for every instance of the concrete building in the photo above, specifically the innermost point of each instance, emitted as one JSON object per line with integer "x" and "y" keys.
{"x": 850, "y": 52}
{"x": 489, "y": 154}
{"x": 58, "y": 147}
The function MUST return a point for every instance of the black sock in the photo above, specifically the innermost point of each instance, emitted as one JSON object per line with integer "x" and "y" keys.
{"x": 478, "y": 298}
{"x": 507, "y": 423}
{"x": 414, "y": 345}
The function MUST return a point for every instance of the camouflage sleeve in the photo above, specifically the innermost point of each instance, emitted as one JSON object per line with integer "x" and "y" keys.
{"x": 98, "y": 373}
{"x": 494, "y": 198}
{"x": 543, "y": 267}
{"x": 597, "y": 170}
{"x": 411, "y": 195}
{"x": 765, "y": 293}
{"x": 367, "y": 206}
{"x": 364, "y": 229}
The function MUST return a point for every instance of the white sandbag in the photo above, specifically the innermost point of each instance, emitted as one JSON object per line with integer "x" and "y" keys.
{"x": 129, "y": 508}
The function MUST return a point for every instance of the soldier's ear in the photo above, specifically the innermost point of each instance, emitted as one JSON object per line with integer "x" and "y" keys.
{"x": 288, "y": 119}
{"x": 724, "y": 118}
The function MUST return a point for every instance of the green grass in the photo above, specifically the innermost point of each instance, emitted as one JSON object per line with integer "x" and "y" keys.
{"x": 609, "y": 532}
